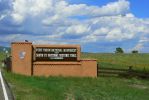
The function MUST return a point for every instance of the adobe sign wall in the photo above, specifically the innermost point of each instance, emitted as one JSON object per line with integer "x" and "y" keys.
{"x": 50, "y": 60}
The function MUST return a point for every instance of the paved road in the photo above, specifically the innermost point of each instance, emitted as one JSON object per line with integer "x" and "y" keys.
{"x": 1, "y": 92}
{"x": 5, "y": 89}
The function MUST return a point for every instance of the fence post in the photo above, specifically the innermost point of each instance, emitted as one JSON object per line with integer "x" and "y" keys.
{"x": 130, "y": 70}
{"x": 97, "y": 69}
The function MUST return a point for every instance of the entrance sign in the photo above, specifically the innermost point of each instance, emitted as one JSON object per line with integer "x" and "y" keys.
{"x": 50, "y": 60}
{"x": 55, "y": 54}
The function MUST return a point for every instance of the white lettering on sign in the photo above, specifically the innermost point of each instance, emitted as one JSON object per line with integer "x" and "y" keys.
{"x": 39, "y": 55}
{"x": 56, "y": 58}
{"x": 66, "y": 54}
{"x": 38, "y": 49}
{"x": 73, "y": 55}
{"x": 52, "y": 55}
{"x": 69, "y": 50}
{"x": 54, "y": 50}
{"x": 51, "y": 50}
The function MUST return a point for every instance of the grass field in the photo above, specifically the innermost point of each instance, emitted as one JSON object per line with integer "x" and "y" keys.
{"x": 2, "y": 56}
{"x": 71, "y": 88}
{"x": 138, "y": 61}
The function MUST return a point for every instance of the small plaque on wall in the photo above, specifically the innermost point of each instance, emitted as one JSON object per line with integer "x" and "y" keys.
{"x": 22, "y": 54}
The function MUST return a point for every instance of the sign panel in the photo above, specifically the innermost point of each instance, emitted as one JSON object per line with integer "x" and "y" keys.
{"x": 55, "y": 54}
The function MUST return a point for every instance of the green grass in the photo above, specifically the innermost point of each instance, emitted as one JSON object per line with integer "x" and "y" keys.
{"x": 2, "y": 56}
{"x": 71, "y": 88}
{"x": 138, "y": 61}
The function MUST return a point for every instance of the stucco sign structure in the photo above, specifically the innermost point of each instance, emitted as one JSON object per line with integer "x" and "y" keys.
{"x": 51, "y": 60}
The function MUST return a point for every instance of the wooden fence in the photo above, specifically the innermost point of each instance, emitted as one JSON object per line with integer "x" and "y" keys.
{"x": 130, "y": 72}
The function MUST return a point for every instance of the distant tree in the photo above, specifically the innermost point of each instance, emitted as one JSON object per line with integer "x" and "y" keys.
{"x": 119, "y": 50}
{"x": 134, "y": 51}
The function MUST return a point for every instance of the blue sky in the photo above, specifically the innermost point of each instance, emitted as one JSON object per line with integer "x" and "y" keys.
{"x": 97, "y": 25}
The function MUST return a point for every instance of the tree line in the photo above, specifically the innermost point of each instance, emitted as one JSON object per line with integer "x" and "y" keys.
{"x": 120, "y": 50}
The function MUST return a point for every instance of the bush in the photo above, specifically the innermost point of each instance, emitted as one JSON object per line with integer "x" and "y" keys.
{"x": 119, "y": 50}
{"x": 134, "y": 51}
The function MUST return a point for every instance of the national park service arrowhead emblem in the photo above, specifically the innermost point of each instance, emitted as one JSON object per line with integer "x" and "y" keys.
{"x": 22, "y": 54}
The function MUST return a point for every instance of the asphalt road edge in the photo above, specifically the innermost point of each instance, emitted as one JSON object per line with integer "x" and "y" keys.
{"x": 3, "y": 87}
{"x": 8, "y": 95}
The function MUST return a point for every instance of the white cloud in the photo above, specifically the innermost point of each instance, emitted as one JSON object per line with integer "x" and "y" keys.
{"x": 89, "y": 38}
{"x": 2, "y": 17}
{"x": 144, "y": 39}
{"x": 54, "y": 20}
{"x": 114, "y": 34}
{"x": 10, "y": 37}
{"x": 30, "y": 8}
{"x": 117, "y": 34}
{"x": 139, "y": 46}
{"x": 116, "y": 8}
{"x": 43, "y": 39}
{"x": 17, "y": 18}
{"x": 61, "y": 8}
{"x": 101, "y": 31}
{"x": 116, "y": 28}
{"x": 130, "y": 15}
{"x": 78, "y": 29}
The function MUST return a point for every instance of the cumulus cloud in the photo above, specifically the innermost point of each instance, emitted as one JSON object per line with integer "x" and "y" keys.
{"x": 38, "y": 39}
{"x": 2, "y": 17}
{"x": 58, "y": 21}
{"x": 77, "y": 29}
{"x": 21, "y": 9}
{"x": 4, "y": 8}
{"x": 139, "y": 46}
{"x": 117, "y": 28}
{"x": 142, "y": 44}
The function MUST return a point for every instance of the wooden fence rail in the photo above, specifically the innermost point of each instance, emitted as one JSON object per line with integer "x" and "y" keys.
{"x": 130, "y": 72}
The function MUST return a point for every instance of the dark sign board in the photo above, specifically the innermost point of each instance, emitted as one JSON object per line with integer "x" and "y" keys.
{"x": 55, "y": 54}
